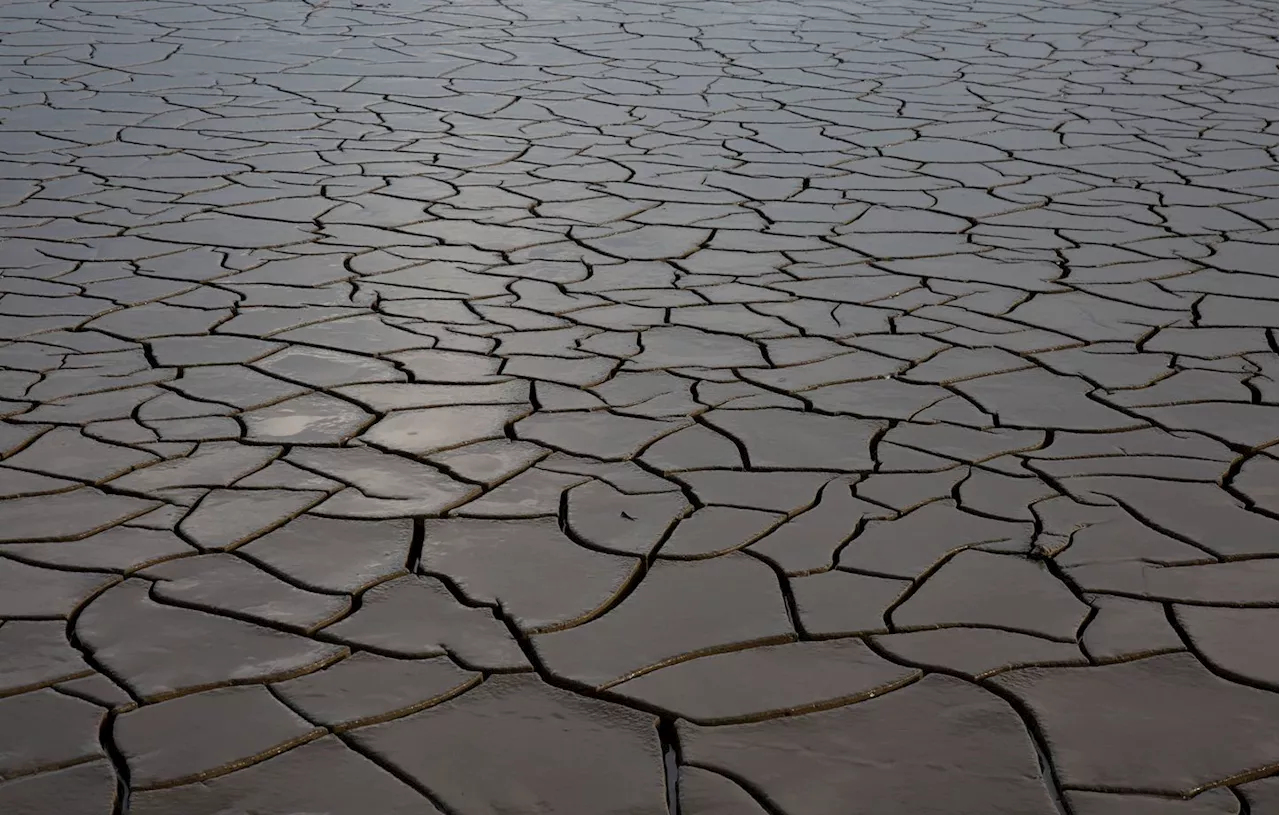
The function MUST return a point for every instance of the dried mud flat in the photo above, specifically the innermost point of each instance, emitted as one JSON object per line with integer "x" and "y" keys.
{"x": 621, "y": 408}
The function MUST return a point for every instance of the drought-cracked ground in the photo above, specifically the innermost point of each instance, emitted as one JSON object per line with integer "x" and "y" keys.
{"x": 615, "y": 408}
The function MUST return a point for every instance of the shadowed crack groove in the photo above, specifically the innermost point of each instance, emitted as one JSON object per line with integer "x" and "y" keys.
{"x": 414, "y": 561}
{"x": 1049, "y": 776}
{"x": 1242, "y": 802}
{"x": 751, "y": 790}
{"x": 670, "y": 763}
{"x": 120, "y": 806}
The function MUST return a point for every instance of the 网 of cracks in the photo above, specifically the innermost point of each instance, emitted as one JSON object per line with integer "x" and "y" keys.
{"x": 106, "y": 731}
{"x": 670, "y": 763}
{"x": 1048, "y": 775}
{"x": 354, "y": 746}
{"x": 1226, "y": 483}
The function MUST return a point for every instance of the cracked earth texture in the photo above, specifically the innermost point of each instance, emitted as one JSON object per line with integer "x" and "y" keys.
{"x": 718, "y": 408}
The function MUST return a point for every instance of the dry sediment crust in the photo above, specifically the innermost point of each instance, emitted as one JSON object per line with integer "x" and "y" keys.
{"x": 606, "y": 407}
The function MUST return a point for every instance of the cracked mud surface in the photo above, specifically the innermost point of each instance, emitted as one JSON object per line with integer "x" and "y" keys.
{"x": 596, "y": 408}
